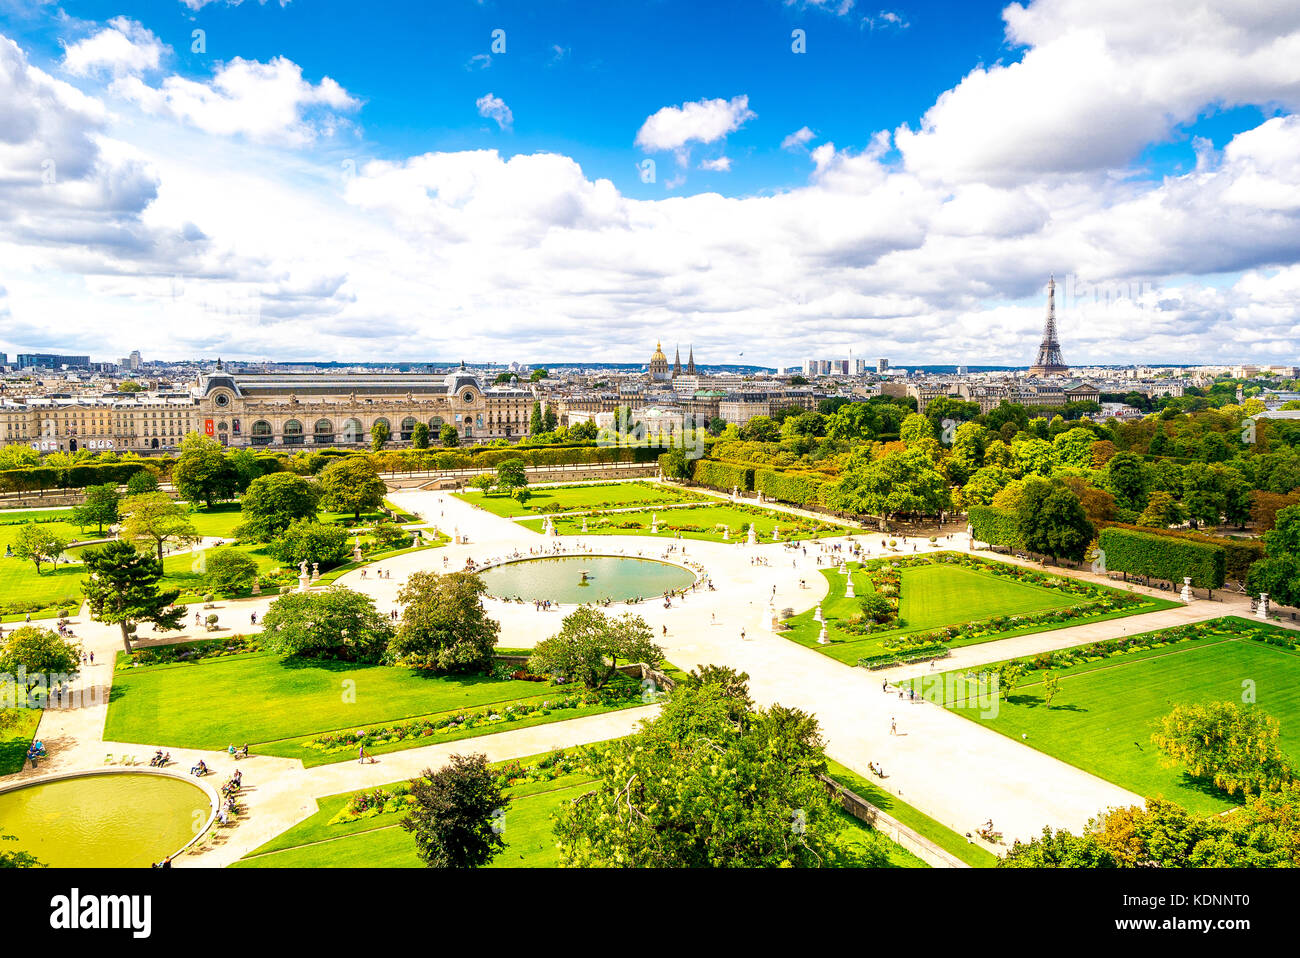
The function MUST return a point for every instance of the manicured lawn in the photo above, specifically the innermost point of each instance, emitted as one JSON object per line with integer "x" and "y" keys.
{"x": 19, "y": 581}
{"x": 918, "y": 821}
{"x": 934, "y": 596}
{"x": 15, "y": 740}
{"x": 1102, "y": 718}
{"x": 276, "y": 703}
{"x": 185, "y": 571}
{"x": 696, "y": 522}
{"x": 379, "y": 842}
{"x": 569, "y": 498}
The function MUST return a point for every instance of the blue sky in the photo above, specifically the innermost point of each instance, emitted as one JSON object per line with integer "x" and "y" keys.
{"x": 951, "y": 156}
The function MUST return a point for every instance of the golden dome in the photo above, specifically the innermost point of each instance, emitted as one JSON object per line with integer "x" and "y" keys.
{"x": 659, "y": 355}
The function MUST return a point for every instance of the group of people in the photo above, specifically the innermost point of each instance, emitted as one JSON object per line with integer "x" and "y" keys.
{"x": 160, "y": 759}
{"x": 35, "y": 751}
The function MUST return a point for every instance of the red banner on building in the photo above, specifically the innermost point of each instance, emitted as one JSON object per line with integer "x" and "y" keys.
{"x": 207, "y": 426}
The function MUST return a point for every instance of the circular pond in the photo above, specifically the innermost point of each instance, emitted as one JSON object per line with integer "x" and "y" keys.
{"x": 577, "y": 579}
{"x": 115, "y": 820}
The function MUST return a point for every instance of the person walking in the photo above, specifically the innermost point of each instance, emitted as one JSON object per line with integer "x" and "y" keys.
{"x": 893, "y": 726}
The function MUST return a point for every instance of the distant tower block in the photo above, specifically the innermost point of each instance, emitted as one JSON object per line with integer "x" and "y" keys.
{"x": 1049, "y": 361}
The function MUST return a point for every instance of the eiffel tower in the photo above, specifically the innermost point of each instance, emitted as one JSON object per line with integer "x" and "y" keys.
{"x": 1049, "y": 362}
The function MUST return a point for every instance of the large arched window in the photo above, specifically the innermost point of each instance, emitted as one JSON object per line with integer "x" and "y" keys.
{"x": 435, "y": 423}
{"x": 385, "y": 424}
{"x": 293, "y": 433}
{"x": 352, "y": 430}
{"x": 324, "y": 432}
{"x": 408, "y": 427}
{"x": 261, "y": 433}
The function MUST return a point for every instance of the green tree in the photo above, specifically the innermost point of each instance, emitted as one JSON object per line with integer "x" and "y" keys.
{"x": 550, "y": 419}
{"x": 153, "y": 519}
{"x": 98, "y": 508}
{"x": 707, "y": 785}
{"x": 1235, "y": 747}
{"x": 379, "y": 435}
{"x": 388, "y": 535}
{"x": 352, "y": 485}
{"x": 1059, "y": 849}
{"x": 1278, "y": 573}
{"x": 760, "y": 429}
{"x": 17, "y": 859}
{"x": 1162, "y": 511}
{"x": 455, "y": 814}
{"x": 122, "y": 590}
{"x": 1128, "y": 480}
{"x": 202, "y": 472}
{"x": 512, "y": 474}
{"x": 42, "y": 653}
{"x": 420, "y": 436}
{"x": 146, "y": 480}
{"x": 590, "y": 644}
{"x": 448, "y": 435}
{"x": 536, "y": 424}
{"x": 247, "y": 467}
{"x": 272, "y": 503}
{"x": 1053, "y": 521}
{"x": 312, "y": 542}
{"x": 1051, "y": 686}
{"x": 335, "y": 623}
{"x": 898, "y": 482}
{"x": 537, "y": 375}
{"x": 38, "y": 545}
{"x": 444, "y": 625}
{"x": 228, "y": 571}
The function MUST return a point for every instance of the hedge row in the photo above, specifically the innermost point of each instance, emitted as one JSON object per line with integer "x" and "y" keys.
{"x": 37, "y": 478}
{"x": 800, "y": 489}
{"x": 489, "y": 457}
{"x": 723, "y": 476}
{"x": 997, "y": 527}
{"x": 1163, "y": 557}
{"x": 1239, "y": 554}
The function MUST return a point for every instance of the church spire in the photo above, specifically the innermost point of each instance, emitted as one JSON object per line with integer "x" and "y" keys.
{"x": 677, "y": 363}
{"x": 690, "y": 363}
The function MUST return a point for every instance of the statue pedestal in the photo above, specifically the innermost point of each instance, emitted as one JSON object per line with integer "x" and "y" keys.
{"x": 1186, "y": 594}
{"x": 304, "y": 582}
{"x": 1261, "y": 610}
{"x": 848, "y": 591}
{"x": 821, "y": 636}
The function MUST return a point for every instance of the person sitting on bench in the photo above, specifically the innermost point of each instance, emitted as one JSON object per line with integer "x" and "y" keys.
{"x": 199, "y": 769}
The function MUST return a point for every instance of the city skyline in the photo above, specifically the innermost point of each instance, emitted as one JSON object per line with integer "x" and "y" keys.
{"x": 807, "y": 178}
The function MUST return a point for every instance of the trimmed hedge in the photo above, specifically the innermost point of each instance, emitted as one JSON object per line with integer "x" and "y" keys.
{"x": 1239, "y": 554}
{"x": 1163, "y": 557}
{"x": 40, "y": 478}
{"x": 997, "y": 527}
{"x": 723, "y": 476}
{"x": 800, "y": 489}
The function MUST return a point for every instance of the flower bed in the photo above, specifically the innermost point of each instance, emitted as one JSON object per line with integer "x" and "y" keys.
{"x": 1227, "y": 627}
{"x": 443, "y": 725}
{"x": 926, "y": 652}
{"x": 188, "y": 651}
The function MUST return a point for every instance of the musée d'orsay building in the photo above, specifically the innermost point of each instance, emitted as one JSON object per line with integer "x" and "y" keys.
{"x": 273, "y": 409}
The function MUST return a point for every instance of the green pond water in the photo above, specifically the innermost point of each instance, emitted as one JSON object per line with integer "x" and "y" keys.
{"x": 608, "y": 577}
{"x": 104, "y": 821}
